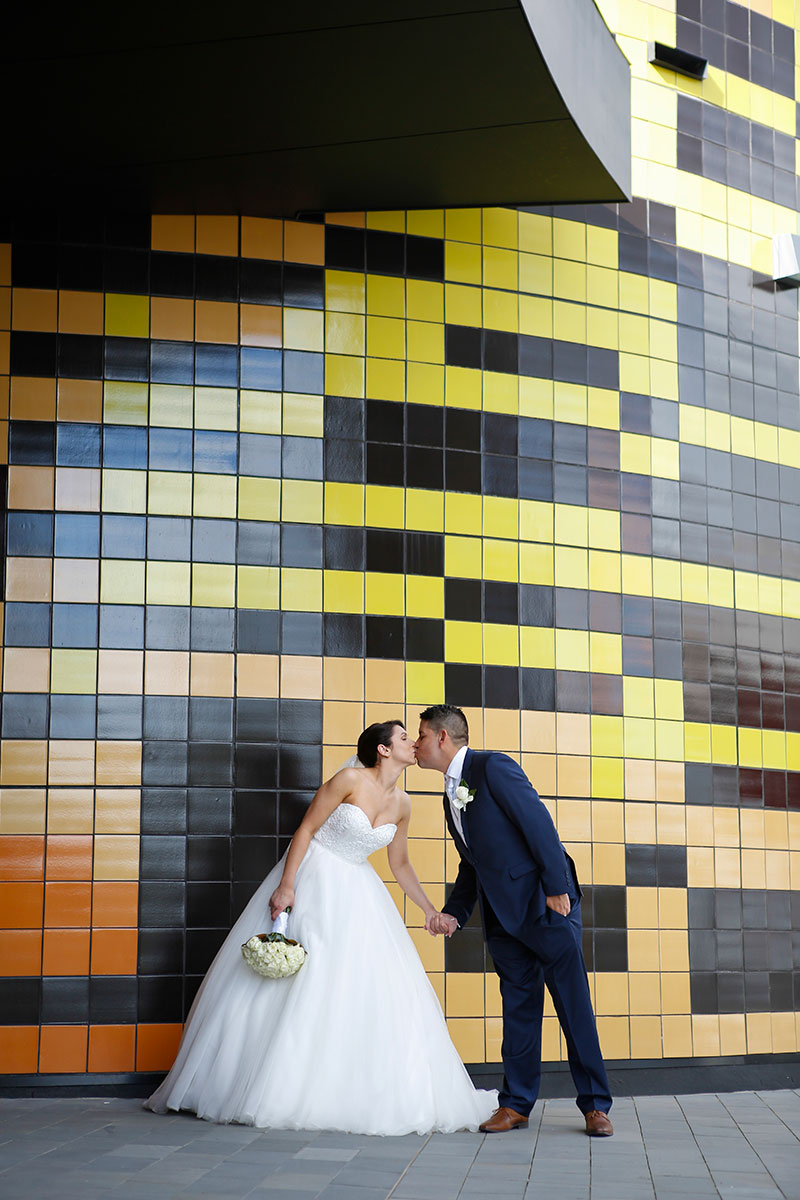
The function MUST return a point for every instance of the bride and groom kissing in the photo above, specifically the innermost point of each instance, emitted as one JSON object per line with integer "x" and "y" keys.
{"x": 356, "y": 1041}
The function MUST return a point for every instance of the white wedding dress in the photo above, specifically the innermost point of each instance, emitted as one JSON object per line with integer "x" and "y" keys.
{"x": 355, "y": 1041}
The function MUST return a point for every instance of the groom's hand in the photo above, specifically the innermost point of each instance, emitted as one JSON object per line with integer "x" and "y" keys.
{"x": 441, "y": 923}
{"x": 560, "y": 904}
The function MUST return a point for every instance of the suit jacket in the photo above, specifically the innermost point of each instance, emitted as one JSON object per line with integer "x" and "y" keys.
{"x": 511, "y": 853}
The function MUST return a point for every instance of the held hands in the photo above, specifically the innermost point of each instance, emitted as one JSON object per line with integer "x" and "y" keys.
{"x": 439, "y": 922}
{"x": 281, "y": 898}
{"x": 559, "y": 904}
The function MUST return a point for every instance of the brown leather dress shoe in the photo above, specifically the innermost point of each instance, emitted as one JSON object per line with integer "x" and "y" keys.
{"x": 598, "y": 1124}
{"x": 502, "y": 1120}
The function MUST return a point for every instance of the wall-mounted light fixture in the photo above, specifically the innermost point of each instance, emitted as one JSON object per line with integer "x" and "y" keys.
{"x": 674, "y": 59}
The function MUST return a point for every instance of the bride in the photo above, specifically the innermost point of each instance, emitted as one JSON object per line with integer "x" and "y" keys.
{"x": 356, "y": 1040}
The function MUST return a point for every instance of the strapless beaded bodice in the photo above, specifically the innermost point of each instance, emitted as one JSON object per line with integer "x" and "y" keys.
{"x": 349, "y": 834}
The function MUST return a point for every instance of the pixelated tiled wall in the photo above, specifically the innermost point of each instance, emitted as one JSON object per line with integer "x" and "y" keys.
{"x": 270, "y": 481}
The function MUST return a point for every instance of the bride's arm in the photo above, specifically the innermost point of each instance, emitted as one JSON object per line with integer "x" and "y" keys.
{"x": 400, "y": 864}
{"x": 329, "y": 797}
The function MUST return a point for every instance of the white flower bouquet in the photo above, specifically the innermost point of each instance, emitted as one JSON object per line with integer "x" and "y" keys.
{"x": 273, "y": 955}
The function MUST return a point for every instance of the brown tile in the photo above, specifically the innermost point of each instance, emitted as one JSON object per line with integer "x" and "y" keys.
{"x": 119, "y": 763}
{"x": 115, "y": 904}
{"x": 216, "y": 321}
{"x": 5, "y": 308}
{"x": 5, "y": 263}
{"x": 262, "y": 238}
{"x": 19, "y": 1049}
{"x": 112, "y": 1047}
{"x": 33, "y": 399}
{"x": 30, "y": 487}
{"x": 23, "y": 763}
{"x": 20, "y": 952}
{"x": 303, "y": 242}
{"x": 80, "y": 400}
{"x": 21, "y": 858}
{"x": 217, "y": 235}
{"x": 80, "y": 312}
{"x": 70, "y": 810}
{"x": 355, "y": 219}
{"x": 171, "y": 320}
{"x": 69, "y": 856}
{"x": 66, "y": 952}
{"x": 21, "y": 905}
{"x": 63, "y": 1049}
{"x": 34, "y": 309}
{"x": 114, "y": 951}
{"x": 172, "y": 232}
{"x": 67, "y": 904}
{"x": 261, "y": 324}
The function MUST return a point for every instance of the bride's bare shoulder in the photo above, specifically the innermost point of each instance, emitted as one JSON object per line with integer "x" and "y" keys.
{"x": 403, "y": 802}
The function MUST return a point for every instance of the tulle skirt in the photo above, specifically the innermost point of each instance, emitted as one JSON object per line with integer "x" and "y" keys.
{"x": 356, "y": 1041}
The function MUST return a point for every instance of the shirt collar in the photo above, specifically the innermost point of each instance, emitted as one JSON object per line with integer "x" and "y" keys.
{"x": 457, "y": 765}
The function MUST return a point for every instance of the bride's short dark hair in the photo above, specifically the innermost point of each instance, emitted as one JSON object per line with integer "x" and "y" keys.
{"x": 378, "y": 734}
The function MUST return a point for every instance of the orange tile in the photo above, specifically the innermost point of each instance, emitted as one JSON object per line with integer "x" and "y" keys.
{"x": 172, "y": 232}
{"x": 67, "y": 904}
{"x": 29, "y": 579}
{"x": 23, "y": 763}
{"x": 262, "y": 237}
{"x": 115, "y": 905}
{"x": 114, "y": 951}
{"x": 343, "y": 678}
{"x": 80, "y": 400}
{"x": 211, "y": 674}
{"x": 5, "y": 397}
{"x": 69, "y": 857}
{"x": 21, "y": 858}
{"x": 119, "y": 763}
{"x": 171, "y": 320}
{"x": 5, "y": 263}
{"x": 355, "y": 219}
{"x": 117, "y": 810}
{"x": 33, "y": 399}
{"x": 71, "y": 762}
{"x": 5, "y": 353}
{"x": 112, "y": 1047}
{"x": 20, "y": 952}
{"x": 156, "y": 1046}
{"x": 26, "y": 669}
{"x": 66, "y": 952}
{"x": 217, "y": 235}
{"x": 30, "y": 487}
{"x": 21, "y": 905}
{"x": 63, "y": 1049}
{"x": 34, "y": 309}
{"x": 78, "y": 489}
{"x": 261, "y": 324}
{"x": 19, "y": 1049}
{"x": 216, "y": 321}
{"x": 303, "y": 242}
{"x": 80, "y": 312}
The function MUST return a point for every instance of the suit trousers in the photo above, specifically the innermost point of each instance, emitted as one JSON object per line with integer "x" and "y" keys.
{"x": 550, "y": 954}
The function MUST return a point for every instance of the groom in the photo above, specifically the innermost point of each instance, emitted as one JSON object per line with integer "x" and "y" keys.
{"x": 514, "y": 864}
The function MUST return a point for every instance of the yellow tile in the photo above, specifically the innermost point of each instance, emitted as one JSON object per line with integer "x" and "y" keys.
{"x": 23, "y": 810}
{"x": 611, "y": 994}
{"x": 675, "y": 997}
{"x": 215, "y": 408}
{"x": 168, "y": 583}
{"x": 259, "y": 499}
{"x": 705, "y": 1035}
{"x": 121, "y": 581}
{"x": 170, "y": 493}
{"x": 73, "y": 671}
{"x": 70, "y": 810}
{"x": 213, "y": 585}
{"x": 645, "y": 992}
{"x": 116, "y": 857}
{"x": 643, "y": 952}
{"x": 732, "y": 1034}
{"x": 464, "y": 994}
{"x": 127, "y": 316}
{"x": 71, "y": 762}
{"x": 646, "y": 1037}
{"x": 468, "y": 1037}
{"x": 117, "y": 810}
{"x": 258, "y": 587}
{"x": 614, "y": 1034}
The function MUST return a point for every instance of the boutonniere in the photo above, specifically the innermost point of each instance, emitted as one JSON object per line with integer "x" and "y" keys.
{"x": 464, "y": 795}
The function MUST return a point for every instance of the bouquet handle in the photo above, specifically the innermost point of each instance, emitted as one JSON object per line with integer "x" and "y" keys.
{"x": 281, "y": 922}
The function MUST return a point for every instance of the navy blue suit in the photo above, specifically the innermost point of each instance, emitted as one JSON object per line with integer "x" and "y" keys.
{"x": 511, "y": 860}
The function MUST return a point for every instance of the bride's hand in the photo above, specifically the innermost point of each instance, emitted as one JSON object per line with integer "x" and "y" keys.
{"x": 281, "y": 898}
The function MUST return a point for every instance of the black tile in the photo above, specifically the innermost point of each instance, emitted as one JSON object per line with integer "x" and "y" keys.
{"x": 209, "y": 810}
{"x": 201, "y": 947}
{"x": 424, "y": 258}
{"x": 24, "y": 715}
{"x": 345, "y": 248}
{"x": 26, "y": 624}
{"x": 127, "y": 359}
{"x": 386, "y": 252}
{"x": 19, "y": 1001}
{"x": 163, "y": 763}
{"x": 213, "y": 629}
{"x": 300, "y": 767}
{"x": 208, "y": 858}
{"x": 73, "y": 716}
{"x": 256, "y": 765}
{"x": 260, "y": 282}
{"x": 30, "y": 535}
{"x": 210, "y": 764}
{"x": 463, "y": 684}
{"x": 119, "y": 718}
{"x": 257, "y": 632}
{"x": 343, "y": 635}
{"x": 160, "y": 999}
{"x": 424, "y": 640}
{"x": 501, "y": 687}
{"x": 113, "y": 1000}
{"x": 256, "y": 812}
{"x": 301, "y": 633}
{"x": 303, "y": 287}
{"x": 640, "y": 866}
{"x": 33, "y": 353}
{"x": 610, "y": 950}
{"x": 65, "y": 1000}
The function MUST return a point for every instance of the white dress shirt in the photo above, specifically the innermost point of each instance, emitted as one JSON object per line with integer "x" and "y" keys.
{"x": 452, "y": 779}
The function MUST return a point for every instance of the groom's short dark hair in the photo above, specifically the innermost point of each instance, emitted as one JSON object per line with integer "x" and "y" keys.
{"x": 447, "y": 716}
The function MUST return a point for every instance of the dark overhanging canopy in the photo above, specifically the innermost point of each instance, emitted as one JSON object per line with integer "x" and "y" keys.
{"x": 278, "y": 109}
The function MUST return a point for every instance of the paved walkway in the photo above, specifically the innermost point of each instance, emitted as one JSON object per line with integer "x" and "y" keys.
{"x": 741, "y": 1145}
